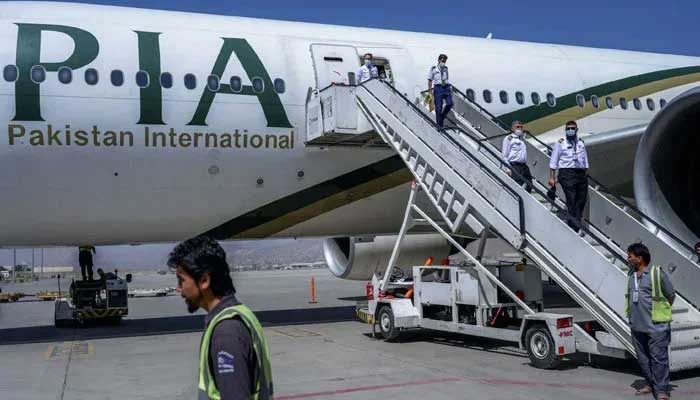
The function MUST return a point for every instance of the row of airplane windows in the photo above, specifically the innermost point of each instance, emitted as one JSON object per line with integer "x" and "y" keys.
{"x": 552, "y": 100}
{"x": 143, "y": 80}
{"x": 65, "y": 75}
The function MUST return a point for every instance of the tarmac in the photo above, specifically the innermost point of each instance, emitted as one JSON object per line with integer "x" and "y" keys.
{"x": 319, "y": 351}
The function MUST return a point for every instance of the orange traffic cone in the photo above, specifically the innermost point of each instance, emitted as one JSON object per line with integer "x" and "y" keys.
{"x": 312, "y": 289}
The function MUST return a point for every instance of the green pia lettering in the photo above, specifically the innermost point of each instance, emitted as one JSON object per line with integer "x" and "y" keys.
{"x": 87, "y": 48}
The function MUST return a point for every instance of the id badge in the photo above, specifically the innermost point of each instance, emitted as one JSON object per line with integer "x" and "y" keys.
{"x": 635, "y": 296}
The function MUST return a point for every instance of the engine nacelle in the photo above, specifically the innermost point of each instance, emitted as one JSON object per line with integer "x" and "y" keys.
{"x": 357, "y": 258}
{"x": 667, "y": 167}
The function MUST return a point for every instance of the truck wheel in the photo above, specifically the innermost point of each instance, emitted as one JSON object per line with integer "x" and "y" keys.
{"x": 540, "y": 347}
{"x": 386, "y": 323}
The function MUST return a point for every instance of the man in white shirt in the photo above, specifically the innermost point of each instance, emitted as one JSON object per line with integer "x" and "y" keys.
{"x": 367, "y": 71}
{"x": 514, "y": 152}
{"x": 569, "y": 157}
{"x": 439, "y": 82}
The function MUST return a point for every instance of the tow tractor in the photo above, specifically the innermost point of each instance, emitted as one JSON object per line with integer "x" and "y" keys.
{"x": 93, "y": 300}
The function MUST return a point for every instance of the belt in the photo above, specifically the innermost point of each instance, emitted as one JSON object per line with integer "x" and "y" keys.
{"x": 517, "y": 163}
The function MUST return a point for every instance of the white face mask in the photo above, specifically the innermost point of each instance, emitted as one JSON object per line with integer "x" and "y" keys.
{"x": 519, "y": 132}
{"x": 570, "y": 133}
{"x": 441, "y": 63}
{"x": 368, "y": 61}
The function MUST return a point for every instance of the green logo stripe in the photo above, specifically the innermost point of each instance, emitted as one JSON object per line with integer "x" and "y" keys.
{"x": 533, "y": 113}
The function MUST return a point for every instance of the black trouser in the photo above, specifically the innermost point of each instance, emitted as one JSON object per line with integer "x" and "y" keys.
{"x": 652, "y": 356}
{"x": 442, "y": 93}
{"x": 575, "y": 186}
{"x": 85, "y": 261}
{"x": 520, "y": 173}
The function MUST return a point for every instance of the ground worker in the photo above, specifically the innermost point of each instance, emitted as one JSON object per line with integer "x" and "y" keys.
{"x": 85, "y": 260}
{"x": 368, "y": 70}
{"x": 234, "y": 359}
{"x": 649, "y": 298}
{"x": 569, "y": 157}
{"x": 439, "y": 83}
{"x": 514, "y": 153}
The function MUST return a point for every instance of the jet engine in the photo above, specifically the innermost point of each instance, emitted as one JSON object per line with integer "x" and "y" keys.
{"x": 667, "y": 167}
{"x": 357, "y": 258}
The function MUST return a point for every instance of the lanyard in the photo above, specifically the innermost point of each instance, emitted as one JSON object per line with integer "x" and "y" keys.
{"x": 636, "y": 282}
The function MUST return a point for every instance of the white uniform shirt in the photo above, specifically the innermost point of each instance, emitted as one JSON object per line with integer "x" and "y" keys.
{"x": 514, "y": 149}
{"x": 365, "y": 73}
{"x": 439, "y": 75}
{"x": 566, "y": 155}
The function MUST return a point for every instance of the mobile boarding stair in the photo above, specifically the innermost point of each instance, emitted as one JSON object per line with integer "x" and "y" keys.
{"x": 459, "y": 170}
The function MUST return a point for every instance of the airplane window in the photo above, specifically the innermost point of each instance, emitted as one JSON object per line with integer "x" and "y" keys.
{"x": 258, "y": 85}
{"x": 166, "y": 80}
{"x": 213, "y": 83}
{"x": 594, "y": 101}
{"x": 519, "y": 97}
{"x": 551, "y": 100}
{"x": 662, "y": 103}
{"x": 142, "y": 80}
{"x": 487, "y": 95}
{"x": 535, "y": 97}
{"x": 609, "y": 102}
{"x": 580, "y": 100}
{"x": 650, "y": 104}
{"x": 504, "y": 96}
{"x": 623, "y": 103}
{"x": 91, "y": 76}
{"x": 190, "y": 81}
{"x": 117, "y": 77}
{"x": 65, "y": 75}
{"x": 280, "y": 87}
{"x": 470, "y": 95}
{"x": 10, "y": 73}
{"x": 637, "y": 103}
{"x": 236, "y": 84}
{"x": 38, "y": 74}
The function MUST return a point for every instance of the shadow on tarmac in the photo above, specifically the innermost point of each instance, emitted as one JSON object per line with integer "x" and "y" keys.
{"x": 167, "y": 325}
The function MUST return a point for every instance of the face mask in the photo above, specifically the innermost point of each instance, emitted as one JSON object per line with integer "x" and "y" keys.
{"x": 519, "y": 132}
{"x": 367, "y": 61}
{"x": 570, "y": 133}
{"x": 441, "y": 63}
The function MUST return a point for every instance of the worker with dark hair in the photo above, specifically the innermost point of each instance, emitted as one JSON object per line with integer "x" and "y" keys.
{"x": 234, "y": 359}
{"x": 85, "y": 260}
{"x": 648, "y": 305}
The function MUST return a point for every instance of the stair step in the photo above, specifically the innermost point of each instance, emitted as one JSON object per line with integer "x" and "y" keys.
{"x": 686, "y": 346}
{"x": 684, "y": 359}
{"x": 685, "y": 326}
{"x": 679, "y": 310}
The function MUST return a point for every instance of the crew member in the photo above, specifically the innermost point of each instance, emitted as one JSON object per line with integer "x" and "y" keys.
{"x": 439, "y": 83}
{"x": 570, "y": 158}
{"x": 514, "y": 153}
{"x": 85, "y": 260}
{"x": 367, "y": 70}
{"x": 649, "y": 298}
{"x": 234, "y": 359}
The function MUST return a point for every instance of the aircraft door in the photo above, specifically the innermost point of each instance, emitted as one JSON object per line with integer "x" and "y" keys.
{"x": 335, "y": 64}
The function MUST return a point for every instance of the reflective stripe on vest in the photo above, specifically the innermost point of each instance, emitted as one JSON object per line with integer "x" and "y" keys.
{"x": 660, "y": 307}
{"x": 263, "y": 379}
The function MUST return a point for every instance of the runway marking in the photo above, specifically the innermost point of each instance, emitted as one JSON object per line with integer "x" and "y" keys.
{"x": 485, "y": 381}
{"x": 366, "y": 388}
{"x": 63, "y": 350}
{"x": 294, "y": 332}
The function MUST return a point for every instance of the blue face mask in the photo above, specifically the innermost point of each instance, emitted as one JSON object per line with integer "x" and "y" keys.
{"x": 570, "y": 133}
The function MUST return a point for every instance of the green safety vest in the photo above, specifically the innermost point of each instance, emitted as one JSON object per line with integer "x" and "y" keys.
{"x": 660, "y": 307}
{"x": 263, "y": 379}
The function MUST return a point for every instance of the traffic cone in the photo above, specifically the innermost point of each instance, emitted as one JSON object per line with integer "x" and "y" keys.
{"x": 312, "y": 289}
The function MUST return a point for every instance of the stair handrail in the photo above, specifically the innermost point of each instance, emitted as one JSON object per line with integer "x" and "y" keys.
{"x": 596, "y": 183}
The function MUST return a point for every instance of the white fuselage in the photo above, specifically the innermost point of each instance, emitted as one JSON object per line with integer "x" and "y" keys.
{"x": 113, "y": 183}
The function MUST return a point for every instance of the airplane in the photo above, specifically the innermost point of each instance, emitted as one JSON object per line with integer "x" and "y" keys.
{"x": 125, "y": 125}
